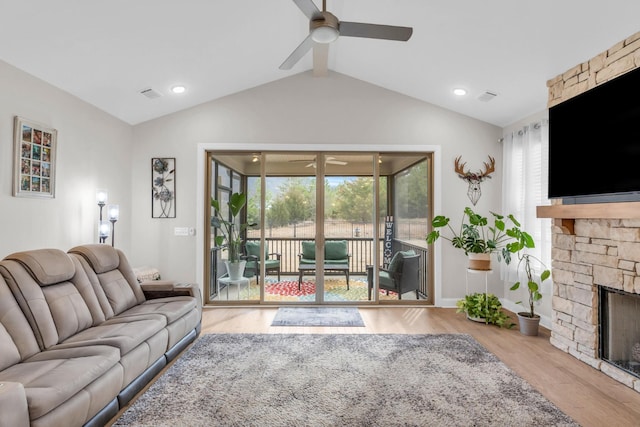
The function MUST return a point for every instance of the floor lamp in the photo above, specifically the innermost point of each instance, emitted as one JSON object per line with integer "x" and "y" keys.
{"x": 114, "y": 215}
{"x": 101, "y": 198}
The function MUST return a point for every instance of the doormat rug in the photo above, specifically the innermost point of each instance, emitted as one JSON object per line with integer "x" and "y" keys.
{"x": 340, "y": 380}
{"x": 317, "y": 316}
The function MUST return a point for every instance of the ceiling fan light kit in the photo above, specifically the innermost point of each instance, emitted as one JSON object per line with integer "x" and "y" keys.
{"x": 325, "y": 28}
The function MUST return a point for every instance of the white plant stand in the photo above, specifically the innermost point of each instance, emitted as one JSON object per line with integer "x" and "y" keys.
{"x": 229, "y": 281}
{"x": 486, "y": 288}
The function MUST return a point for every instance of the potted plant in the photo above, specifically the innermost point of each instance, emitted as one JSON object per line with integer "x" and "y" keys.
{"x": 231, "y": 233}
{"x": 476, "y": 236}
{"x": 529, "y": 320}
{"x": 486, "y": 308}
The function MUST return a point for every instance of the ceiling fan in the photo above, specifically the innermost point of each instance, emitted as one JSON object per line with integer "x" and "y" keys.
{"x": 327, "y": 161}
{"x": 324, "y": 28}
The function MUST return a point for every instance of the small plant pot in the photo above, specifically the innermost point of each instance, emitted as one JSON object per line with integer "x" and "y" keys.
{"x": 477, "y": 319}
{"x": 480, "y": 262}
{"x": 235, "y": 269}
{"x": 528, "y": 325}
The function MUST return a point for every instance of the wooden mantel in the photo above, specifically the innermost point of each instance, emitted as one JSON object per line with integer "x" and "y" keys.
{"x": 564, "y": 215}
{"x": 622, "y": 210}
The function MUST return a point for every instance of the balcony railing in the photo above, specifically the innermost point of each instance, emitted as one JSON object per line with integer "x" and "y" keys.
{"x": 360, "y": 250}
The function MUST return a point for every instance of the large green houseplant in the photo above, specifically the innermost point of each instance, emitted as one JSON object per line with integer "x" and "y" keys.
{"x": 476, "y": 235}
{"x": 231, "y": 232}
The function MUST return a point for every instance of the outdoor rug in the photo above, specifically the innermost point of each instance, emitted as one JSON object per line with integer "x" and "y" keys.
{"x": 340, "y": 380}
{"x": 317, "y": 316}
{"x": 335, "y": 289}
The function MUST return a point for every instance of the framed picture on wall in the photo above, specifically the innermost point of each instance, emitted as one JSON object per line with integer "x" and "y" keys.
{"x": 34, "y": 163}
{"x": 163, "y": 187}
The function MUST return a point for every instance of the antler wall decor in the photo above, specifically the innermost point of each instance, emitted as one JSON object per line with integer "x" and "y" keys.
{"x": 474, "y": 179}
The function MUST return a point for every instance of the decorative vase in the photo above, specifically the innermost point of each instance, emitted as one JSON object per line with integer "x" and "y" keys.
{"x": 235, "y": 269}
{"x": 479, "y": 261}
{"x": 528, "y": 325}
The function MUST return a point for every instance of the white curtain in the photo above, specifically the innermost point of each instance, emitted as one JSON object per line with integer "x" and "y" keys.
{"x": 524, "y": 186}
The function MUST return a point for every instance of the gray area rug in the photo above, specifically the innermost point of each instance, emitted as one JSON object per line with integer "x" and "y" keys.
{"x": 317, "y": 316}
{"x": 340, "y": 380}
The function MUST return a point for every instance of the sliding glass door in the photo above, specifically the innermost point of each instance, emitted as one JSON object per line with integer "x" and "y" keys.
{"x": 349, "y": 228}
{"x": 290, "y": 227}
{"x": 327, "y": 226}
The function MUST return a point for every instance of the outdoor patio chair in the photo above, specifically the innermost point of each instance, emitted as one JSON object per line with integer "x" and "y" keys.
{"x": 271, "y": 263}
{"x": 401, "y": 276}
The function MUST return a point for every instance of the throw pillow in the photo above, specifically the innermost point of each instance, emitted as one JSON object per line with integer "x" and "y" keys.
{"x": 309, "y": 250}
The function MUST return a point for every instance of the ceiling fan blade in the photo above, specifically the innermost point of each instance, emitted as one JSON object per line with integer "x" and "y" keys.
{"x": 336, "y": 162}
{"x": 297, "y": 53}
{"x": 375, "y": 31}
{"x": 309, "y": 8}
{"x": 320, "y": 59}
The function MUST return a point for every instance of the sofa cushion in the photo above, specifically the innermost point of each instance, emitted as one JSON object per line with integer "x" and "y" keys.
{"x": 335, "y": 250}
{"x": 9, "y": 354}
{"x": 115, "y": 283}
{"x": 123, "y": 333}
{"x": 55, "y": 311}
{"x": 47, "y": 266}
{"x": 52, "y": 377}
{"x": 17, "y": 341}
{"x": 101, "y": 258}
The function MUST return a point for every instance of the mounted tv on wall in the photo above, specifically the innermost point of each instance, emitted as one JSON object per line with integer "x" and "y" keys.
{"x": 594, "y": 144}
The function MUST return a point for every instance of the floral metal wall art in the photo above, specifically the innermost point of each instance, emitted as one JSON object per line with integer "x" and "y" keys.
{"x": 474, "y": 178}
{"x": 163, "y": 192}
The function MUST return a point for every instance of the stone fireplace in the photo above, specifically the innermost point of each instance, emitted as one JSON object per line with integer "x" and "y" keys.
{"x": 590, "y": 254}
{"x": 619, "y": 329}
{"x": 596, "y": 250}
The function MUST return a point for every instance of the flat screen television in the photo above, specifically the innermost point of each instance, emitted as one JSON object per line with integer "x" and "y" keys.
{"x": 594, "y": 144}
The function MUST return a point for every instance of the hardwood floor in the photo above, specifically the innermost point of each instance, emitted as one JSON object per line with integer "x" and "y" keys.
{"x": 587, "y": 395}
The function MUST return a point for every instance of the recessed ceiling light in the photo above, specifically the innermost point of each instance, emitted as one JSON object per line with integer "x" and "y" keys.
{"x": 178, "y": 89}
{"x": 459, "y": 91}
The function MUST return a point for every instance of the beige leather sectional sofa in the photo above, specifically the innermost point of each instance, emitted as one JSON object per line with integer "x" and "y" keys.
{"x": 79, "y": 336}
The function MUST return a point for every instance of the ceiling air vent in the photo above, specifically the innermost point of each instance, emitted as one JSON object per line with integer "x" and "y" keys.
{"x": 487, "y": 96}
{"x": 150, "y": 93}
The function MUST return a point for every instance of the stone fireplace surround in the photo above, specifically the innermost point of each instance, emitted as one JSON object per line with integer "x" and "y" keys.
{"x": 594, "y": 244}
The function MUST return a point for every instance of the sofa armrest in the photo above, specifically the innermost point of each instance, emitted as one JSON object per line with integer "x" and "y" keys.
{"x": 13, "y": 405}
{"x": 165, "y": 288}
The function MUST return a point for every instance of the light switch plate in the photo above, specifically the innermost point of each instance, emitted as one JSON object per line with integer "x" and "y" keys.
{"x": 181, "y": 231}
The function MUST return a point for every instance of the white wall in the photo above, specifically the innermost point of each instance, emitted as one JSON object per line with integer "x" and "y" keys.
{"x": 304, "y": 112}
{"x": 94, "y": 151}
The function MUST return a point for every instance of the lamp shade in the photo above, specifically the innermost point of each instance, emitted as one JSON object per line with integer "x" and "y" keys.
{"x": 113, "y": 212}
{"x": 103, "y": 229}
{"x": 101, "y": 196}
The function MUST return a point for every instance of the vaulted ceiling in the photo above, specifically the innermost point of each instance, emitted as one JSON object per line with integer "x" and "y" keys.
{"x": 107, "y": 52}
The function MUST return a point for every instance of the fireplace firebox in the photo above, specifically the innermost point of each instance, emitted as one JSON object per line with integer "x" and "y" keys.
{"x": 619, "y": 329}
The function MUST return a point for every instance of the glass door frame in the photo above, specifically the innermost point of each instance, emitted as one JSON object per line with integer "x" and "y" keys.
{"x": 320, "y": 196}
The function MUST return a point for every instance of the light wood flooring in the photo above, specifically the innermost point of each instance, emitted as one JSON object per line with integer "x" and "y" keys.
{"x": 590, "y": 397}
